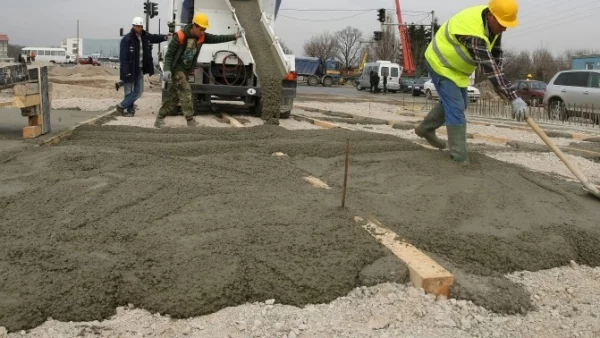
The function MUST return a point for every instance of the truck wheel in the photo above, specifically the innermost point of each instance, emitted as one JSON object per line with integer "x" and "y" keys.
{"x": 285, "y": 115}
{"x": 327, "y": 81}
{"x": 313, "y": 81}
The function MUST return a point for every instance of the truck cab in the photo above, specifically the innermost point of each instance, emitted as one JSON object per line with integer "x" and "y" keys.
{"x": 227, "y": 71}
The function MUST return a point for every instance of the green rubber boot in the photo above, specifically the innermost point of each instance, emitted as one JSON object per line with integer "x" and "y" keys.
{"x": 432, "y": 121}
{"x": 457, "y": 143}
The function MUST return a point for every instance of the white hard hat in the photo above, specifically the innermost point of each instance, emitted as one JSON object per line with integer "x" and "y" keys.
{"x": 137, "y": 21}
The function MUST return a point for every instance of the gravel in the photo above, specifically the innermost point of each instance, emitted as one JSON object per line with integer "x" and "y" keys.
{"x": 567, "y": 301}
{"x": 550, "y": 163}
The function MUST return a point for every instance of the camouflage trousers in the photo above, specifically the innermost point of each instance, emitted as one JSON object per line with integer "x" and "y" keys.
{"x": 179, "y": 93}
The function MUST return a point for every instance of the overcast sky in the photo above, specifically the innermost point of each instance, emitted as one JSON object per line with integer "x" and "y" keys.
{"x": 556, "y": 24}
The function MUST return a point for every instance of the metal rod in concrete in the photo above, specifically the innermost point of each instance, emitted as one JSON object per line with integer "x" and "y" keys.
{"x": 346, "y": 172}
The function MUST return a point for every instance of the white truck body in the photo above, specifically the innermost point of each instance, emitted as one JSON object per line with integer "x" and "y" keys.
{"x": 205, "y": 81}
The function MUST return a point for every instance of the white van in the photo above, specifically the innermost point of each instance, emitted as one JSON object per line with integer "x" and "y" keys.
{"x": 46, "y": 54}
{"x": 392, "y": 70}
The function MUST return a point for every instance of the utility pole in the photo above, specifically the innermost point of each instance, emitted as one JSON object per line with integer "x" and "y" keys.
{"x": 78, "y": 44}
{"x": 432, "y": 19}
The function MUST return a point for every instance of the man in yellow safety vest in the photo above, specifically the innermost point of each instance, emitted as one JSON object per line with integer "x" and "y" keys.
{"x": 470, "y": 39}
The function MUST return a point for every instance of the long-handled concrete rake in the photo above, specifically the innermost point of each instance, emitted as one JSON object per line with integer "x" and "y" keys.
{"x": 587, "y": 185}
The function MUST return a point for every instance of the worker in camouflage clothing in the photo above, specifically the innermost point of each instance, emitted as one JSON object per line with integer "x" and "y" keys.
{"x": 182, "y": 55}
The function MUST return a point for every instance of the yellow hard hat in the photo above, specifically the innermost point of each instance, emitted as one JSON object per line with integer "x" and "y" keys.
{"x": 505, "y": 11}
{"x": 201, "y": 20}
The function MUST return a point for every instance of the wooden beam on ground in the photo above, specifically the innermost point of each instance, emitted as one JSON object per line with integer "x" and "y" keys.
{"x": 32, "y": 131}
{"x": 27, "y": 101}
{"x": 26, "y": 89}
{"x": 317, "y": 183}
{"x": 319, "y": 123}
{"x": 424, "y": 272}
{"x": 235, "y": 123}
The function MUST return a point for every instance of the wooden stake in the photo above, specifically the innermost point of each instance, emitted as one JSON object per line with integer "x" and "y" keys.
{"x": 346, "y": 172}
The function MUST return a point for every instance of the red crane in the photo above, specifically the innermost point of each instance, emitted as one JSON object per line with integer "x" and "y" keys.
{"x": 409, "y": 62}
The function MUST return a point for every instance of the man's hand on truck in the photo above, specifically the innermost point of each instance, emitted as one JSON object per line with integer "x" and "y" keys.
{"x": 239, "y": 33}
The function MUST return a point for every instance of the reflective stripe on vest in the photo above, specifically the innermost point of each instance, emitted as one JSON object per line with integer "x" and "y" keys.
{"x": 457, "y": 48}
{"x": 447, "y": 56}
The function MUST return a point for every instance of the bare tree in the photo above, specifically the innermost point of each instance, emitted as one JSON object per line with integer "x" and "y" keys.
{"x": 385, "y": 49}
{"x": 323, "y": 46}
{"x": 285, "y": 48}
{"x": 517, "y": 66}
{"x": 349, "y": 49}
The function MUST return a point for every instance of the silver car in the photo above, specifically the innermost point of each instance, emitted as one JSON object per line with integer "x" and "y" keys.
{"x": 574, "y": 93}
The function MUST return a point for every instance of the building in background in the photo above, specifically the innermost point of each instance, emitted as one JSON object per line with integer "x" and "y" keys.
{"x": 3, "y": 46}
{"x": 97, "y": 48}
{"x": 580, "y": 62}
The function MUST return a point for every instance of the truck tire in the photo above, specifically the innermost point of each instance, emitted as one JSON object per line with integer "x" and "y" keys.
{"x": 313, "y": 80}
{"x": 327, "y": 81}
{"x": 285, "y": 115}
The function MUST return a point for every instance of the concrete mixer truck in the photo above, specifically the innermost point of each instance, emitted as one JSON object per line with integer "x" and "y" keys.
{"x": 228, "y": 71}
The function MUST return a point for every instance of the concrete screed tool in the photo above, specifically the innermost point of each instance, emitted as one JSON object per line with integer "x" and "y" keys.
{"x": 587, "y": 185}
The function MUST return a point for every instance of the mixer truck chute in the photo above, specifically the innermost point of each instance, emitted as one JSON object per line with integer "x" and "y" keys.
{"x": 227, "y": 71}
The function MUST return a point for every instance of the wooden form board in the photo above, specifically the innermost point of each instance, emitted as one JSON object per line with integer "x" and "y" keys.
{"x": 424, "y": 272}
{"x": 33, "y": 97}
{"x": 235, "y": 123}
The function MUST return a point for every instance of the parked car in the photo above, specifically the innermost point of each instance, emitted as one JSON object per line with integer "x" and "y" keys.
{"x": 531, "y": 91}
{"x": 418, "y": 88}
{"x": 472, "y": 93}
{"x": 574, "y": 93}
{"x": 406, "y": 85}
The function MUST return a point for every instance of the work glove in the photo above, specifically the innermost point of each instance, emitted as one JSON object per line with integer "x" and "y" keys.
{"x": 239, "y": 33}
{"x": 519, "y": 110}
{"x": 167, "y": 76}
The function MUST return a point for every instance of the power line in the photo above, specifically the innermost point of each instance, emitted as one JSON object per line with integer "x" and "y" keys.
{"x": 325, "y": 20}
{"x": 543, "y": 17}
{"x": 345, "y": 10}
{"x": 554, "y": 23}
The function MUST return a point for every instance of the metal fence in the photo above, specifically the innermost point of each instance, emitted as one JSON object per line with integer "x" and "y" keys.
{"x": 583, "y": 115}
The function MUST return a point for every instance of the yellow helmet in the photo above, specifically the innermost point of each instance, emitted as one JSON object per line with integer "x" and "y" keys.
{"x": 201, "y": 20}
{"x": 505, "y": 11}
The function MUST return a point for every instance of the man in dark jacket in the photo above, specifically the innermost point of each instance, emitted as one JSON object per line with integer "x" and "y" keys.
{"x": 136, "y": 60}
{"x": 180, "y": 59}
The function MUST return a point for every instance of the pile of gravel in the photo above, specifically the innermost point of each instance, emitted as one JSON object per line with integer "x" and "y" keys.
{"x": 567, "y": 301}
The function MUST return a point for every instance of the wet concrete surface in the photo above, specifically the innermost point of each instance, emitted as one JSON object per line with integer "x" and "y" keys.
{"x": 187, "y": 221}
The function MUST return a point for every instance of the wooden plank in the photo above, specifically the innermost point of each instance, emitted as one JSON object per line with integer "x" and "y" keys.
{"x": 424, "y": 272}
{"x": 34, "y": 120}
{"x": 235, "y": 123}
{"x": 27, "y": 101}
{"x": 12, "y": 75}
{"x": 317, "y": 183}
{"x": 32, "y": 131}
{"x": 26, "y": 89}
{"x": 45, "y": 105}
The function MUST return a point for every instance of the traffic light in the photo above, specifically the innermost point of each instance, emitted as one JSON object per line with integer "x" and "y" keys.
{"x": 153, "y": 10}
{"x": 147, "y": 8}
{"x": 381, "y": 15}
{"x": 378, "y": 35}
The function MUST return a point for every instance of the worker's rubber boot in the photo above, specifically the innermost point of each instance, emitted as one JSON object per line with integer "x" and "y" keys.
{"x": 192, "y": 122}
{"x": 432, "y": 121}
{"x": 160, "y": 122}
{"x": 457, "y": 143}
